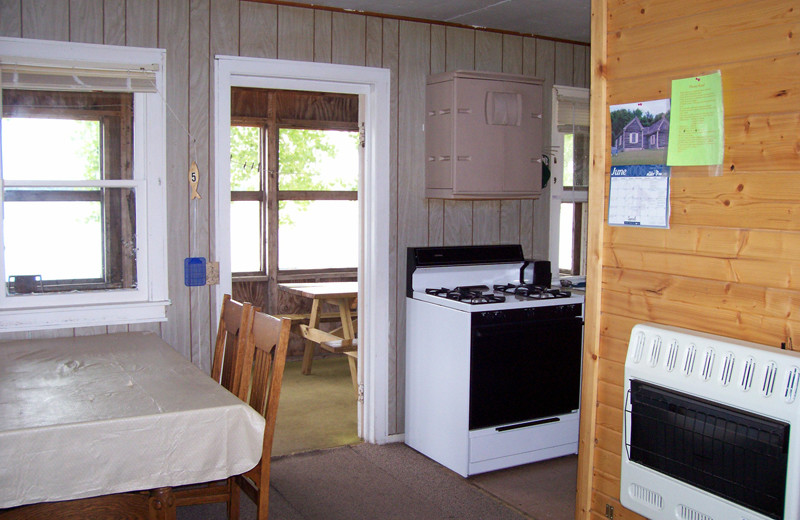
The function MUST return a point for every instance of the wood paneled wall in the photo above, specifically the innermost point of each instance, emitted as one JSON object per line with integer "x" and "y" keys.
{"x": 728, "y": 264}
{"x": 194, "y": 31}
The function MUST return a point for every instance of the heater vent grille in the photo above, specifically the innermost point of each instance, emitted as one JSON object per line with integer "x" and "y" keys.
{"x": 792, "y": 382}
{"x": 688, "y": 361}
{"x": 727, "y": 369}
{"x": 646, "y": 496}
{"x": 747, "y": 373}
{"x": 708, "y": 364}
{"x": 638, "y": 347}
{"x": 687, "y": 513}
{"x": 769, "y": 379}
{"x": 672, "y": 356}
{"x": 655, "y": 351}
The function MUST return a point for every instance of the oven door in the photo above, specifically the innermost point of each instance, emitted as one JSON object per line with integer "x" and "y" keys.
{"x": 525, "y": 365}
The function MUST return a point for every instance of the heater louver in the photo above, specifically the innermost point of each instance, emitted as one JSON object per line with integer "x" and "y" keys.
{"x": 708, "y": 364}
{"x": 672, "y": 356}
{"x": 747, "y": 373}
{"x": 687, "y": 513}
{"x": 655, "y": 351}
{"x": 646, "y": 496}
{"x": 769, "y": 379}
{"x": 638, "y": 348}
{"x": 688, "y": 361}
{"x": 727, "y": 369}
{"x": 792, "y": 382}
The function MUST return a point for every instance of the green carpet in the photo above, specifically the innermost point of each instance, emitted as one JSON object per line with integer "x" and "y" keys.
{"x": 318, "y": 410}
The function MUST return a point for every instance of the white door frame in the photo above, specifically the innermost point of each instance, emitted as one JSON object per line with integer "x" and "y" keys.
{"x": 372, "y": 85}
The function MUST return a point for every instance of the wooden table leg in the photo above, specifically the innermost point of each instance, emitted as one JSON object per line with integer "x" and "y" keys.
{"x": 348, "y": 333}
{"x": 313, "y": 323}
{"x": 162, "y": 504}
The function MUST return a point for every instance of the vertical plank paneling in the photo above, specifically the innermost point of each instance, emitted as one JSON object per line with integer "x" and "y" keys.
{"x": 45, "y": 19}
{"x": 114, "y": 22}
{"x": 512, "y": 54}
{"x": 173, "y": 18}
{"x": 349, "y": 33}
{"x": 323, "y": 40}
{"x": 86, "y": 21}
{"x": 11, "y": 18}
{"x": 438, "y": 54}
{"x": 374, "y": 42}
{"x": 488, "y": 51}
{"x": 413, "y": 64}
{"x": 203, "y": 319}
{"x": 510, "y": 216}
{"x": 141, "y": 23}
{"x": 258, "y": 30}
{"x": 486, "y": 222}
{"x": 295, "y": 24}
{"x": 564, "y": 63}
{"x": 389, "y": 48}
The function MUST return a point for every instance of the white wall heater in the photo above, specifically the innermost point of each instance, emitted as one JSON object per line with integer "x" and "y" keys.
{"x": 710, "y": 427}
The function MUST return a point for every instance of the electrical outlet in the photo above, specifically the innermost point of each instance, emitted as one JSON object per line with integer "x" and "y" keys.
{"x": 212, "y": 273}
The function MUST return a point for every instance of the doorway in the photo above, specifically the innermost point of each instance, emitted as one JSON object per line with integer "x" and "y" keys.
{"x": 372, "y": 87}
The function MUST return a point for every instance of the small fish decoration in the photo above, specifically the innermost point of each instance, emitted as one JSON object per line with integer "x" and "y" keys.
{"x": 194, "y": 178}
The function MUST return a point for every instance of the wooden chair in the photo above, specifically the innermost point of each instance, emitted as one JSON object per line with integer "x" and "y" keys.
{"x": 234, "y": 336}
{"x": 269, "y": 346}
{"x": 264, "y": 357}
{"x": 235, "y": 322}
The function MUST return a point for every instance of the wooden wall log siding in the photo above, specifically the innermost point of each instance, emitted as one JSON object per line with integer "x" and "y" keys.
{"x": 194, "y": 31}
{"x": 728, "y": 264}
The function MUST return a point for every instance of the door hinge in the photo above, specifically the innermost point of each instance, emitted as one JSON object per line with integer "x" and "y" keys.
{"x": 362, "y": 134}
{"x": 610, "y": 511}
{"x": 360, "y": 393}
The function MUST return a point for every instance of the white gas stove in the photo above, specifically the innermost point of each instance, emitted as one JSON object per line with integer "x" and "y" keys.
{"x": 493, "y": 357}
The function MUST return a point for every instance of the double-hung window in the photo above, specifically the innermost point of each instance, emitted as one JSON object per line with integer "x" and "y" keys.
{"x": 83, "y": 187}
{"x": 570, "y": 167}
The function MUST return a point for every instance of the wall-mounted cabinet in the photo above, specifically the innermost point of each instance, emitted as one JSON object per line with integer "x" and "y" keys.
{"x": 483, "y": 136}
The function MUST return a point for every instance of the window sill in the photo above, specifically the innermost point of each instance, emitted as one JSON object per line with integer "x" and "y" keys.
{"x": 14, "y": 320}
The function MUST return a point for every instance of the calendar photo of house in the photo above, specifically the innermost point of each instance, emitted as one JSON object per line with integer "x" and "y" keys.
{"x": 640, "y": 132}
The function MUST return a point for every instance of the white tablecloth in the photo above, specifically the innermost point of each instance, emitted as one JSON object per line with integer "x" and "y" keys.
{"x": 95, "y": 415}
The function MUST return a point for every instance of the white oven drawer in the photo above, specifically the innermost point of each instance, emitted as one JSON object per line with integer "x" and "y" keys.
{"x": 489, "y": 443}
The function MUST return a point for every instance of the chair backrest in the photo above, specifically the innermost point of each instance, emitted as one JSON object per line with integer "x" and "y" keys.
{"x": 267, "y": 349}
{"x": 233, "y": 333}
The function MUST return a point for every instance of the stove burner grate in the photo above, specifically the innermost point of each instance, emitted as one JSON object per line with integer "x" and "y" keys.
{"x": 532, "y": 291}
{"x": 470, "y": 294}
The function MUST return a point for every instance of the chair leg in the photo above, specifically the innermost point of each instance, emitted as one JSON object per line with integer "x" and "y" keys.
{"x": 263, "y": 504}
{"x": 233, "y": 499}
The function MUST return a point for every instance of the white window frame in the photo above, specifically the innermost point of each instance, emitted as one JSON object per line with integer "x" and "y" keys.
{"x": 558, "y": 195}
{"x": 148, "y": 301}
{"x": 633, "y": 138}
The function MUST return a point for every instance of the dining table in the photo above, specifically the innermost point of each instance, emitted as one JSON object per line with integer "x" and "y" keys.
{"x": 114, "y": 414}
{"x": 343, "y": 296}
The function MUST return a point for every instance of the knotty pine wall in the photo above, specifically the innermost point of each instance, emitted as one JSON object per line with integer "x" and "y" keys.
{"x": 730, "y": 262}
{"x": 194, "y": 31}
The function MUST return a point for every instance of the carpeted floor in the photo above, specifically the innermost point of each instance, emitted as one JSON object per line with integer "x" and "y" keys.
{"x": 361, "y": 481}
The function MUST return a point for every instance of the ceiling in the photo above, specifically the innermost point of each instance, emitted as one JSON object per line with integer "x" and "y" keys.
{"x": 561, "y": 19}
